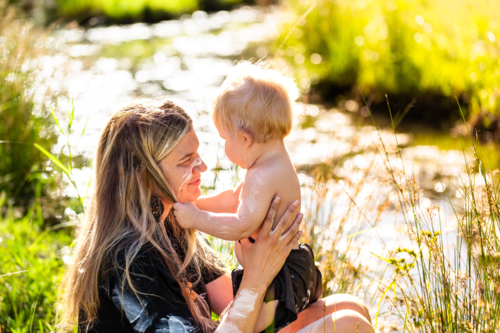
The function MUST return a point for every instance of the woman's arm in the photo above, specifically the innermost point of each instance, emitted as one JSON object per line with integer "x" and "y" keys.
{"x": 263, "y": 260}
{"x": 220, "y": 293}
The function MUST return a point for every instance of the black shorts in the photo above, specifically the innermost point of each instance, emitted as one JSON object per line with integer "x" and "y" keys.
{"x": 297, "y": 285}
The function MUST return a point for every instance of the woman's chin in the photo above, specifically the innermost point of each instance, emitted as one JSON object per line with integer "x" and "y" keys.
{"x": 190, "y": 195}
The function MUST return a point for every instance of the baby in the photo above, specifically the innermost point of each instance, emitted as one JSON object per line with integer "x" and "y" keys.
{"x": 253, "y": 113}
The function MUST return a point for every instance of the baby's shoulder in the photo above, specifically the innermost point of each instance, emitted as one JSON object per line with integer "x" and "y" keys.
{"x": 273, "y": 172}
{"x": 258, "y": 176}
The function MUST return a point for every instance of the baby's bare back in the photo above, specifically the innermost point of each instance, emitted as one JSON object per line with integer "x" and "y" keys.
{"x": 274, "y": 177}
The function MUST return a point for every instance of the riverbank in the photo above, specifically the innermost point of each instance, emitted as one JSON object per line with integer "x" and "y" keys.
{"x": 416, "y": 53}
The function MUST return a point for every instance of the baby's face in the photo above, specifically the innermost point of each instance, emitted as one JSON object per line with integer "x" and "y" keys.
{"x": 234, "y": 146}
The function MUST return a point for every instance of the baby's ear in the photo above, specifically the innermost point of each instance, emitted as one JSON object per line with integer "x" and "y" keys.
{"x": 246, "y": 138}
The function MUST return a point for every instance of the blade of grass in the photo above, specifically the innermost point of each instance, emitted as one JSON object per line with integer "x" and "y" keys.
{"x": 54, "y": 159}
{"x": 56, "y": 120}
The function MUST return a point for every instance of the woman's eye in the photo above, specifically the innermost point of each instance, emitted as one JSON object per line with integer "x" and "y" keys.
{"x": 189, "y": 160}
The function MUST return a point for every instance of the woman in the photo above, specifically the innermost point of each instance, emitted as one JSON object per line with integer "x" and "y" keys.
{"x": 136, "y": 270}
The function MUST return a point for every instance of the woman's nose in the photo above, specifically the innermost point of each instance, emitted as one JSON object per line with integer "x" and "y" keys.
{"x": 200, "y": 167}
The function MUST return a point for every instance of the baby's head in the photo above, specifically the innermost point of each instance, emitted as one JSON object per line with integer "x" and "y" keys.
{"x": 255, "y": 101}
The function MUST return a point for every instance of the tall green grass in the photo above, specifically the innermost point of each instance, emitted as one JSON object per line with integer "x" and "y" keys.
{"x": 22, "y": 121}
{"x": 31, "y": 266}
{"x": 415, "y": 49}
{"x": 33, "y": 253}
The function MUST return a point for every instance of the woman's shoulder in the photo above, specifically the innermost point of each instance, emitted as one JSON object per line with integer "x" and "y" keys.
{"x": 153, "y": 299}
{"x": 144, "y": 267}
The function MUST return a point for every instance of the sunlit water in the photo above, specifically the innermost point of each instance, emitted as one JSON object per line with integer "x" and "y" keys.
{"x": 193, "y": 58}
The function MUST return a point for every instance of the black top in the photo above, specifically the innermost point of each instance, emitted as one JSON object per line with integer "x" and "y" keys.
{"x": 159, "y": 305}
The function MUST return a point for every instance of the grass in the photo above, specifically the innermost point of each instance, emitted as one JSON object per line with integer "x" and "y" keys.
{"x": 31, "y": 267}
{"x": 34, "y": 253}
{"x": 447, "y": 142}
{"x": 414, "y": 49}
{"x": 448, "y": 279}
{"x": 21, "y": 164}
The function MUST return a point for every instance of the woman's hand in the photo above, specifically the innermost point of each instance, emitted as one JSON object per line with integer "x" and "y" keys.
{"x": 264, "y": 259}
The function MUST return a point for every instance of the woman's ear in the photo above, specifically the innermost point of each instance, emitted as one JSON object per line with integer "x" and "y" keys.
{"x": 246, "y": 138}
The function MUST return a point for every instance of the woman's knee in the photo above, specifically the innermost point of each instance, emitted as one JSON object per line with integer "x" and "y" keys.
{"x": 339, "y": 302}
{"x": 339, "y": 322}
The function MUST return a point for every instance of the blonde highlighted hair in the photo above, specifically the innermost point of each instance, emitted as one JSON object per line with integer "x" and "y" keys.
{"x": 119, "y": 219}
{"x": 256, "y": 99}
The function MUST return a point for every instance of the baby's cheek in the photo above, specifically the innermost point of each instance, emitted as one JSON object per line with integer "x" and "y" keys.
{"x": 233, "y": 154}
{"x": 227, "y": 150}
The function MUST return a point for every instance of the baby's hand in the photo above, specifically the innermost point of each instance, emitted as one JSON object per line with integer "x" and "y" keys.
{"x": 185, "y": 214}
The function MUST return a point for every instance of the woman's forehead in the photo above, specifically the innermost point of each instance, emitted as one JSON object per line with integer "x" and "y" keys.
{"x": 188, "y": 145}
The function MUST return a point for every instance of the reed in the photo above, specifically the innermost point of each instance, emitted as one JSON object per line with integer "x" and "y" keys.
{"x": 447, "y": 279}
{"x": 22, "y": 120}
{"x": 414, "y": 49}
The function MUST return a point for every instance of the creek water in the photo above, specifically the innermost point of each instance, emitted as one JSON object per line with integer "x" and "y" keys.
{"x": 341, "y": 166}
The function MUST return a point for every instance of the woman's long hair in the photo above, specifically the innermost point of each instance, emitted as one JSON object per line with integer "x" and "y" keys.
{"x": 119, "y": 218}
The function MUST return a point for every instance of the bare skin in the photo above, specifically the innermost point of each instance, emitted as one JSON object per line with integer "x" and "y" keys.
{"x": 238, "y": 214}
{"x": 263, "y": 259}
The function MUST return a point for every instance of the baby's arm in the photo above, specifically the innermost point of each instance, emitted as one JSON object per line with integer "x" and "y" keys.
{"x": 224, "y": 202}
{"x": 256, "y": 194}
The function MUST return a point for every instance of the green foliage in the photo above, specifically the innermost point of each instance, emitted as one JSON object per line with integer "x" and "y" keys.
{"x": 21, "y": 122}
{"x": 118, "y": 9}
{"x": 124, "y": 11}
{"x": 417, "y": 49}
{"x": 30, "y": 272}
{"x": 67, "y": 169}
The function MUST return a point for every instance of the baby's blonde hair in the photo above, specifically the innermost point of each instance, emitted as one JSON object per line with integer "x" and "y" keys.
{"x": 257, "y": 100}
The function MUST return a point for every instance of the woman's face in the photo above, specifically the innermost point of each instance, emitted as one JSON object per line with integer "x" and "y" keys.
{"x": 182, "y": 168}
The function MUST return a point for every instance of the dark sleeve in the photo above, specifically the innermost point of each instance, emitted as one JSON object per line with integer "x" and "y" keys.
{"x": 158, "y": 304}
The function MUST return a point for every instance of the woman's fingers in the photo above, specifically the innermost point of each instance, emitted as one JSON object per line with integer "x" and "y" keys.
{"x": 294, "y": 228}
{"x": 271, "y": 213}
{"x": 245, "y": 242}
{"x": 293, "y": 241}
{"x": 285, "y": 219}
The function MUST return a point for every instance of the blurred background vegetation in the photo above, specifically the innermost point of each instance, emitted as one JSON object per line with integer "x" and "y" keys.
{"x": 22, "y": 122}
{"x": 429, "y": 51}
{"x": 94, "y": 12}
